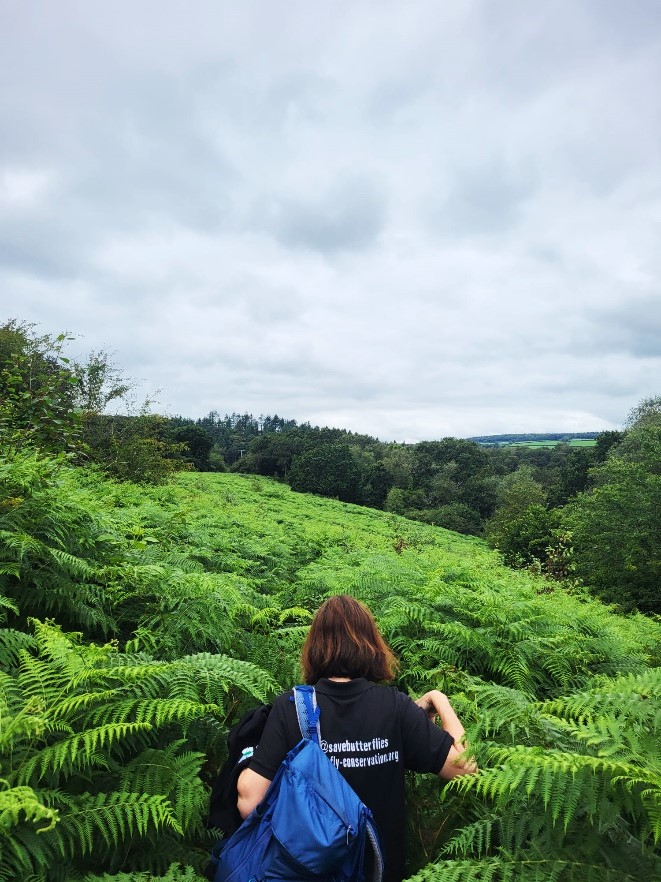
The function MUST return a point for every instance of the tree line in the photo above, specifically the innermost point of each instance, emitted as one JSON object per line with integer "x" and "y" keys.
{"x": 580, "y": 515}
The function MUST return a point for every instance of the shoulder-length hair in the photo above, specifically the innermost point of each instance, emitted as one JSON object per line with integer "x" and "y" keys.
{"x": 344, "y": 641}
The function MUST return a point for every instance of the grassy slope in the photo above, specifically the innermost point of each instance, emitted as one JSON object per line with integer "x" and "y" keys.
{"x": 295, "y": 548}
{"x": 279, "y": 551}
{"x": 554, "y": 689}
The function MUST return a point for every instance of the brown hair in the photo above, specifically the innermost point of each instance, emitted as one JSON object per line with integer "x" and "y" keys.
{"x": 344, "y": 641}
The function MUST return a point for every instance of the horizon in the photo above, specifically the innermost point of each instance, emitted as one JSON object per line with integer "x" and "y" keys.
{"x": 578, "y": 434}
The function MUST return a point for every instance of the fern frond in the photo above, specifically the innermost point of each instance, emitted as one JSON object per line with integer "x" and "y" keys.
{"x": 610, "y": 736}
{"x": 565, "y": 782}
{"x": 10, "y": 694}
{"x": 71, "y": 705}
{"x": 513, "y": 667}
{"x": 175, "y": 873}
{"x": 11, "y": 644}
{"x": 651, "y": 800}
{"x": 624, "y": 696}
{"x": 20, "y": 543}
{"x": 497, "y": 869}
{"x": 269, "y": 614}
{"x": 19, "y": 804}
{"x": 115, "y": 816}
{"x": 74, "y": 566}
{"x": 173, "y": 774}
{"x": 473, "y": 839}
{"x": 79, "y": 751}
{"x": 39, "y": 679}
{"x": 8, "y": 569}
{"x": 495, "y": 708}
{"x": 220, "y": 672}
{"x": 155, "y": 711}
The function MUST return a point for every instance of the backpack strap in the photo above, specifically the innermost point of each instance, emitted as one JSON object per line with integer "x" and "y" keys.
{"x": 373, "y": 836}
{"x": 307, "y": 713}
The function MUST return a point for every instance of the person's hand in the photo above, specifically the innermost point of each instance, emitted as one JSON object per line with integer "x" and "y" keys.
{"x": 433, "y": 704}
{"x": 437, "y": 704}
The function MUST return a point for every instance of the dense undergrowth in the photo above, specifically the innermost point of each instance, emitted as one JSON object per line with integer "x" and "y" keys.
{"x": 139, "y": 623}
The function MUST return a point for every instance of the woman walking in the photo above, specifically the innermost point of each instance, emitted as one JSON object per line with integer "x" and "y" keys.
{"x": 371, "y": 733}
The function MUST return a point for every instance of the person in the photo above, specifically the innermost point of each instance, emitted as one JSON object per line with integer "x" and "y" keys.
{"x": 371, "y": 732}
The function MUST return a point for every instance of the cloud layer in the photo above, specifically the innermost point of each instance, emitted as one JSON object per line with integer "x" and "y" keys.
{"x": 411, "y": 220}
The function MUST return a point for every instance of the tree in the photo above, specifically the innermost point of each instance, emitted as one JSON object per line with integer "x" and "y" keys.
{"x": 480, "y": 493}
{"x": 522, "y": 526}
{"x": 328, "y": 470}
{"x": 399, "y": 460}
{"x": 647, "y": 411}
{"x": 616, "y": 526}
{"x": 136, "y": 448}
{"x": 99, "y": 382}
{"x": 55, "y": 405}
{"x": 272, "y": 453}
{"x": 568, "y": 473}
{"x": 198, "y": 443}
{"x": 375, "y": 484}
{"x": 604, "y": 443}
{"x": 405, "y": 502}
{"x": 441, "y": 481}
{"x": 37, "y": 391}
{"x": 455, "y": 516}
{"x": 467, "y": 458}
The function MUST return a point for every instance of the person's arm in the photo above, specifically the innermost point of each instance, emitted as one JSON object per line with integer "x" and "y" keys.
{"x": 436, "y": 704}
{"x": 280, "y": 735}
{"x": 251, "y": 788}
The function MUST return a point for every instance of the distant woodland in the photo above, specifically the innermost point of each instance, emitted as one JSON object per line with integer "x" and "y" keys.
{"x": 585, "y": 515}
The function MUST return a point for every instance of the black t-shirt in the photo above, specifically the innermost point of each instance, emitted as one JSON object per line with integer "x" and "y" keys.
{"x": 372, "y": 734}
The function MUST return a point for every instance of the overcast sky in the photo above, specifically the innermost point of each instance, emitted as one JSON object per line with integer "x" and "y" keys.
{"x": 411, "y": 219}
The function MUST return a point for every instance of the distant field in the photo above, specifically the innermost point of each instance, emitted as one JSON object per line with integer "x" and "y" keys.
{"x": 541, "y": 439}
{"x": 573, "y": 442}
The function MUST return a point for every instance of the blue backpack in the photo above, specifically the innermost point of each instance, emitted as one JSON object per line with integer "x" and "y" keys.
{"x": 310, "y": 825}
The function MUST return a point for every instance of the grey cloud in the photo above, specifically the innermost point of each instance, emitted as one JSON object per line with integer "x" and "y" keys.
{"x": 632, "y": 327}
{"x": 243, "y": 218}
{"x": 262, "y": 381}
{"x": 144, "y": 156}
{"x": 483, "y": 200}
{"x": 394, "y": 97}
{"x": 49, "y": 242}
{"x": 153, "y": 154}
{"x": 299, "y": 98}
{"x": 348, "y": 217}
{"x": 271, "y": 305}
{"x": 28, "y": 252}
{"x": 624, "y": 26}
{"x": 261, "y": 302}
{"x": 591, "y": 383}
{"x": 524, "y": 50}
{"x": 528, "y": 49}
